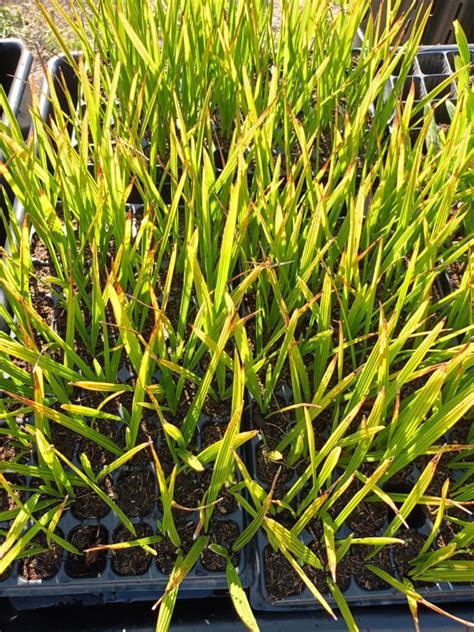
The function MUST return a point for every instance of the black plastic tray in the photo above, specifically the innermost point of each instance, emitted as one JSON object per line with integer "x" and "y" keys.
{"x": 355, "y": 595}
{"x": 15, "y": 65}
{"x": 432, "y": 66}
{"x": 218, "y": 615}
{"x": 110, "y": 586}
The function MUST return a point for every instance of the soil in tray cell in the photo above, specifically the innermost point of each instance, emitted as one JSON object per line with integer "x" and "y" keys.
{"x": 412, "y": 387}
{"x": 13, "y": 451}
{"x": 432, "y": 63}
{"x": 166, "y": 551}
{"x": 187, "y": 396}
{"x": 462, "y": 432}
{"x": 89, "y": 505}
{"x": 273, "y": 429}
{"x": 417, "y": 517}
{"x": 364, "y": 577}
{"x": 442, "y": 473}
{"x": 274, "y": 425}
{"x": 404, "y": 553}
{"x": 217, "y": 409}
{"x": 319, "y": 578}
{"x": 190, "y": 487}
{"x": 43, "y": 565}
{"x": 92, "y": 563}
{"x": 212, "y": 432}
{"x": 147, "y": 432}
{"x": 134, "y": 560}
{"x": 7, "y": 503}
{"x": 281, "y": 580}
{"x": 173, "y": 304}
{"x": 97, "y": 455}
{"x": 136, "y": 493}
{"x": 64, "y": 440}
{"x": 268, "y": 470}
{"x": 455, "y": 273}
{"x": 367, "y": 518}
{"x": 449, "y": 529}
{"x": 227, "y": 503}
{"x": 223, "y": 532}
{"x": 188, "y": 491}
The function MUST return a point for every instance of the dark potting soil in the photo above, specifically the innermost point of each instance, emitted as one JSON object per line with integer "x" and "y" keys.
{"x": 249, "y": 307}
{"x": 225, "y": 533}
{"x": 273, "y": 429}
{"x": 42, "y": 293}
{"x": 319, "y": 578}
{"x": 281, "y": 580}
{"x": 258, "y": 334}
{"x": 403, "y": 554}
{"x": 315, "y": 527}
{"x": 43, "y": 565}
{"x": 6, "y": 502}
{"x": 212, "y": 432}
{"x": 89, "y": 505}
{"x": 455, "y": 273}
{"x": 227, "y": 503}
{"x": 49, "y": 302}
{"x": 136, "y": 493}
{"x": 364, "y": 577}
{"x": 268, "y": 470}
{"x": 275, "y": 424}
{"x": 90, "y": 564}
{"x": 187, "y": 396}
{"x": 284, "y": 378}
{"x": 99, "y": 456}
{"x": 122, "y": 405}
{"x": 367, "y": 518}
{"x": 442, "y": 473}
{"x": 417, "y": 517}
{"x": 322, "y": 425}
{"x": 173, "y": 304}
{"x": 134, "y": 560}
{"x": 448, "y": 528}
{"x": 166, "y": 458}
{"x": 95, "y": 399}
{"x": 190, "y": 487}
{"x": 64, "y": 440}
{"x": 462, "y": 430}
{"x": 39, "y": 252}
{"x": 12, "y": 450}
{"x": 335, "y": 509}
{"x": 413, "y": 386}
{"x": 217, "y": 409}
{"x": 147, "y": 432}
{"x": 167, "y": 552}
{"x": 405, "y": 476}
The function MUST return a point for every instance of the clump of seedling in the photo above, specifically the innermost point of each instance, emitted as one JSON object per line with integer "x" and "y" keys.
{"x": 238, "y": 307}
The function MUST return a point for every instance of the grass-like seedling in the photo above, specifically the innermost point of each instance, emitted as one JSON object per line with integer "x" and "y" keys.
{"x": 230, "y": 213}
